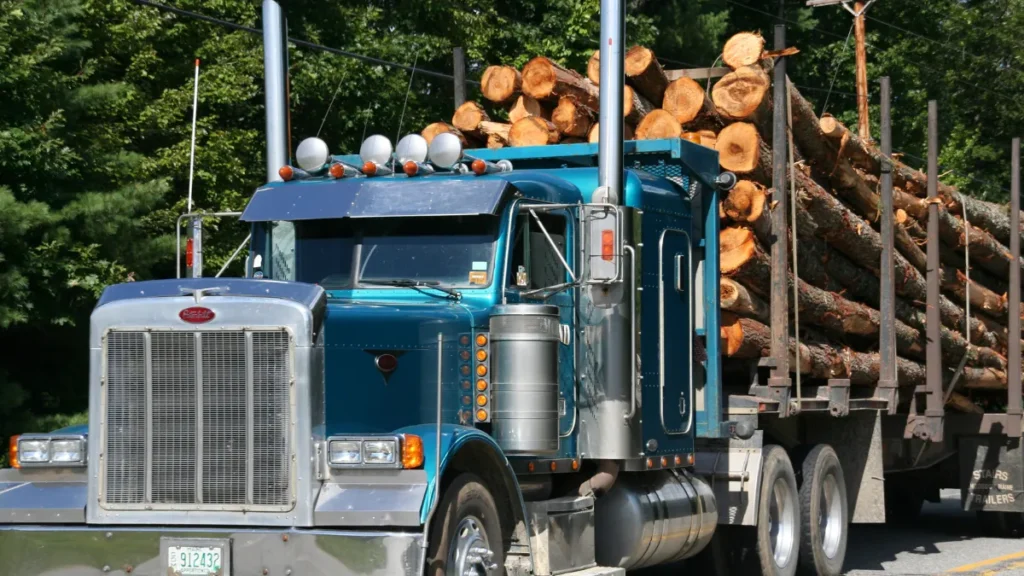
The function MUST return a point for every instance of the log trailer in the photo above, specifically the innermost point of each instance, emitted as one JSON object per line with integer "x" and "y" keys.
{"x": 471, "y": 362}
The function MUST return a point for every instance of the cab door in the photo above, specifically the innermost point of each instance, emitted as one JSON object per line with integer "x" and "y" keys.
{"x": 534, "y": 265}
{"x": 675, "y": 331}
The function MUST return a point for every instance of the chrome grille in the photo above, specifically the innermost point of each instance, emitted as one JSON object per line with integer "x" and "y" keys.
{"x": 198, "y": 420}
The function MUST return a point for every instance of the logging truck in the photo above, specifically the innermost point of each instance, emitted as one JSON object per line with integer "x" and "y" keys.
{"x": 580, "y": 348}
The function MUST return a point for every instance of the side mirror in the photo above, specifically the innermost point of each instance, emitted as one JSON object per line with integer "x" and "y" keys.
{"x": 602, "y": 243}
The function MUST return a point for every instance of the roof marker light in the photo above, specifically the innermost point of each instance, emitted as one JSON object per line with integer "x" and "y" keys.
{"x": 445, "y": 150}
{"x": 417, "y": 169}
{"x": 481, "y": 167}
{"x": 376, "y": 149}
{"x": 343, "y": 170}
{"x": 312, "y": 154}
{"x": 376, "y": 169}
{"x": 286, "y": 173}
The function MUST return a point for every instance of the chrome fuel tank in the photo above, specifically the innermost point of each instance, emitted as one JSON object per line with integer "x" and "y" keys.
{"x": 653, "y": 518}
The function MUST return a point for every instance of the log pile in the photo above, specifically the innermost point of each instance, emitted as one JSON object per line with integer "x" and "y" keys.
{"x": 837, "y": 225}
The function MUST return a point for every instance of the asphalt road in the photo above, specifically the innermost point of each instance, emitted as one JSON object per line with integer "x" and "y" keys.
{"x": 944, "y": 540}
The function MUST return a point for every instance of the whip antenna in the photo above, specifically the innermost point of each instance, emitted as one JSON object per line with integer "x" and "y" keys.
{"x": 192, "y": 159}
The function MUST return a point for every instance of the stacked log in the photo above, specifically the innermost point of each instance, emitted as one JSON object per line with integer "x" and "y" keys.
{"x": 836, "y": 285}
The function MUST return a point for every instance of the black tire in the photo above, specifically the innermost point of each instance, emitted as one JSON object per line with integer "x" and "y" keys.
{"x": 1001, "y": 524}
{"x": 778, "y": 544}
{"x": 466, "y": 500}
{"x": 823, "y": 492}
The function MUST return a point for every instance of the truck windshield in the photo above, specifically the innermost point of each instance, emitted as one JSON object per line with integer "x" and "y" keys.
{"x": 453, "y": 251}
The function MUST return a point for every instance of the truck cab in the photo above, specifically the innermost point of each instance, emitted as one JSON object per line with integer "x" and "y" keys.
{"x": 470, "y": 366}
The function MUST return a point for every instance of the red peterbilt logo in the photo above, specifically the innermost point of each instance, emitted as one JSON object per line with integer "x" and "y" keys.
{"x": 196, "y": 315}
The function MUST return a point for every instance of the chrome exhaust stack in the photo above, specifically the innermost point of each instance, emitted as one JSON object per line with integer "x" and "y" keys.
{"x": 275, "y": 78}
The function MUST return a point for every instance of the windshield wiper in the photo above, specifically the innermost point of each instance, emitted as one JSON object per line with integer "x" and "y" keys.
{"x": 417, "y": 284}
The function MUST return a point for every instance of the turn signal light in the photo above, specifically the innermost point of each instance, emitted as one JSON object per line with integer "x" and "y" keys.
{"x": 481, "y": 370}
{"x": 481, "y": 340}
{"x": 286, "y": 173}
{"x": 412, "y": 451}
{"x": 12, "y": 453}
{"x": 481, "y": 415}
{"x": 607, "y": 245}
{"x": 464, "y": 355}
{"x": 481, "y": 355}
{"x": 481, "y": 385}
{"x": 481, "y": 400}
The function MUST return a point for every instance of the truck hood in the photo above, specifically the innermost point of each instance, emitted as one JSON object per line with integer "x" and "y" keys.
{"x": 381, "y": 364}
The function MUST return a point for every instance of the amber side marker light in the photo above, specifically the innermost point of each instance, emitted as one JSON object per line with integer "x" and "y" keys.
{"x": 12, "y": 453}
{"x": 412, "y": 451}
{"x": 479, "y": 167}
{"x": 286, "y": 173}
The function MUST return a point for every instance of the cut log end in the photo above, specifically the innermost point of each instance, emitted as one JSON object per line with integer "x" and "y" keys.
{"x": 533, "y": 131}
{"x": 738, "y": 147}
{"x": 830, "y": 126}
{"x": 594, "y": 67}
{"x": 645, "y": 73}
{"x": 496, "y": 132}
{"x": 737, "y": 245}
{"x": 743, "y": 49}
{"x": 732, "y": 333}
{"x": 659, "y": 124}
{"x": 539, "y": 78}
{"x": 571, "y": 118}
{"x": 684, "y": 98}
{"x": 500, "y": 83}
{"x": 526, "y": 106}
{"x": 436, "y": 128}
{"x": 469, "y": 116}
{"x": 745, "y": 202}
{"x": 594, "y": 136}
{"x": 740, "y": 93}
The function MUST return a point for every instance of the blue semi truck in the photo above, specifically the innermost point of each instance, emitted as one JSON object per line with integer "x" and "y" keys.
{"x": 467, "y": 362}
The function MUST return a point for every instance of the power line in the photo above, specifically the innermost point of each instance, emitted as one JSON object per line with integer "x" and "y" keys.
{"x": 297, "y": 42}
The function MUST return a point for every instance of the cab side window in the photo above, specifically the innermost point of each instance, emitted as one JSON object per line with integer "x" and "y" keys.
{"x": 533, "y": 263}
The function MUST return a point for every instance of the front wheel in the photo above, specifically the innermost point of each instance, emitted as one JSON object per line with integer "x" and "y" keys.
{"x": 778, "y": 515}
{"x": 824, "y": 513}
{"x": 465, "y": 533}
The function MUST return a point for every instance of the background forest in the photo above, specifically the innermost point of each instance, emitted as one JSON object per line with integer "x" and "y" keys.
{"x": 95, "y": 111}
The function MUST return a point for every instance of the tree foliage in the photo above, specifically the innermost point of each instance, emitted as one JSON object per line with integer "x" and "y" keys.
{"x": 97, "y": 103}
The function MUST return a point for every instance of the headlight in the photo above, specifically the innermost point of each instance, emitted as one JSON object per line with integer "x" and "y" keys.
{"x": 396, "y": 451}
{"x": 53, "y": 451}
{"x": 346, "y": 452}
{"x": 379, "y": 451}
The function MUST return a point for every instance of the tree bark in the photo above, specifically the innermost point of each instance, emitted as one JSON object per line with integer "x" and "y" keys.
{"x": 992, "y": 217}
{"x": 658, "y": 124}
{"x": 533, "y": 131}
{"x": 500, "y": 84}
{"x": 524, "y": 106}
{"x": 645, "y": 74}
{"x": 497, "y": 133}
{"x": 840, "y": 227}
{"x": 545, "y": 80}
{"x": 743, "y": 260}
{"x": 571, "y": 118}
{"x": 735, "y": 298}
{"x": 635, "y": 107}
{"x": 743, "y": 49}
{"x": 468, "y": 117}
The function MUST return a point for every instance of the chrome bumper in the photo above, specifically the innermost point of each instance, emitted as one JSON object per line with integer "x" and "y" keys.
{"x": 27, "y": 550}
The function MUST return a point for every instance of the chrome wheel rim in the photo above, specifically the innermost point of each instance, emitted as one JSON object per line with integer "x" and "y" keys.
{"x": 830, "y": 516}
{"x": 469, "y": 553}
{"x": 782, "y": 522}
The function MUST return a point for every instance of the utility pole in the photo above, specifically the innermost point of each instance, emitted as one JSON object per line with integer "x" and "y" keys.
{"x": 858, "y": 10}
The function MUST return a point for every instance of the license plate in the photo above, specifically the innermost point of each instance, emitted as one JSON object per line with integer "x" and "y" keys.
{"x": 196, "y": 558}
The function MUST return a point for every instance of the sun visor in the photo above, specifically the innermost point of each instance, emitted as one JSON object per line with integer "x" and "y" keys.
{"x": 376, "y": 198}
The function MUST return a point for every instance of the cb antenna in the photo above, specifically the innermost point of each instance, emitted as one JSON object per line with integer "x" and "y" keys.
{"x": 192, "y": 159}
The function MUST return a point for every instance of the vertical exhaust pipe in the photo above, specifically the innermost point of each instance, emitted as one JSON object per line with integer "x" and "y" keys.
{"x": 275, "y": 57}
{"x": 609, "y": 155}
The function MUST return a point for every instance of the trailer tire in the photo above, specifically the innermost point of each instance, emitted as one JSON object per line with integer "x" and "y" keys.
{"x": 824, "y": 515}
{"x": 465, "y": 521}
{"x": 778, "y": 515}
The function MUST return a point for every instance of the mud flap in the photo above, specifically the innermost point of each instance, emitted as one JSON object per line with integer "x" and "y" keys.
{"x": 991, "y": 473}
